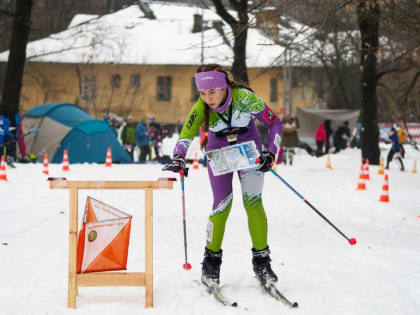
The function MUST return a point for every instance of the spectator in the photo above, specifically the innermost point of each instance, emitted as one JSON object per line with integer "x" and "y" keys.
{"x": 395, "y": 149}
{"x": 328, "y": 131}
{"x": 115, "y": 121}
{"x": 355, "y": 141}
{"x": 142, "y": 139}
{"x": 341, "y": 137}
{"x": 5, "y": 134}
{"x": 155, "y": 134}
{"x": 128, "y": 136}
{"x": 320, "y": 138}
{"x": 401, "y": 138}
{"x": 290, "y": 138}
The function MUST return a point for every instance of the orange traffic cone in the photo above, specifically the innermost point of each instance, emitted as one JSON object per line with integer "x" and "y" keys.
{"x": 414, "y": 170}
{"x": 381, "y": 167}
{"x": 385, "y": 191}
{"x": 108, "y": 159}
{"x": 65, "y": 161}
{"x": 367, "y": 169}
{"x": 3, "y": 175}
{"x": 195, "y": 161}
{"x": 45, "y": 165}
{"x": 361, "y": 185}
{"x": 329, "y": 162}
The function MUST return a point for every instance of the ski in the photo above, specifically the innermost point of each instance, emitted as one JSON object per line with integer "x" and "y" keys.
{"x": 218, "y": 295}
{"x": 216, "y": 292}
{"x": 272, "y": 290}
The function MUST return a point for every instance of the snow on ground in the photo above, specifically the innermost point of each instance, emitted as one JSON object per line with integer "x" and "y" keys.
{"x": 316, "y": 266}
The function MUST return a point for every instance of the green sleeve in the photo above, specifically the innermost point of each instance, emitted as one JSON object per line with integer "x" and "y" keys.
{"x": 193, "y": 122}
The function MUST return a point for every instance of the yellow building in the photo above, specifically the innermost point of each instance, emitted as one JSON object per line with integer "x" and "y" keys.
{"x": 164, "y": 91}
{"x": 127, "y": 64}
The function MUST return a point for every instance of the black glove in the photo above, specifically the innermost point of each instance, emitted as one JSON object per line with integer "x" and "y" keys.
{"x": 178, "y": 164}
{"x": 266, "y": 160}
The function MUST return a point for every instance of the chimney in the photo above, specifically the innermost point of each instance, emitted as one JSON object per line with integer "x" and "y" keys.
{"x": 198, "y": 23}
{"x": 268, "y": 20}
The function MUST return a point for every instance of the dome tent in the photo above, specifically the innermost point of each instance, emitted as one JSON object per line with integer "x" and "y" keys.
{"x": 68, "y": 127}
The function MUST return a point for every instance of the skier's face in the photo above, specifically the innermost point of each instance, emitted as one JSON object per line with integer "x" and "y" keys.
{"x": 213, "y": 98}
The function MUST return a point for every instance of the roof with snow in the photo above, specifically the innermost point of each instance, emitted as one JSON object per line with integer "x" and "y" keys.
{"x": 128, "y": 37}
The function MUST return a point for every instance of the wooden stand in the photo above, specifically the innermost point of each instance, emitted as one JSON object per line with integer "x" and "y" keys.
{"x": 110, "y": 278}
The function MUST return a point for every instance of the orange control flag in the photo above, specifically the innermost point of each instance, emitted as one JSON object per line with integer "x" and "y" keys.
{"x": 103, "y": 238}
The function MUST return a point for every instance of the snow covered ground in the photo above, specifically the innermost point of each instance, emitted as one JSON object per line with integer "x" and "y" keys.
{"x": 316, "y": 266}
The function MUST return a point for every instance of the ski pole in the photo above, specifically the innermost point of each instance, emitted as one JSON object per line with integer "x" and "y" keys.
{"x": 187, "y": 265}
{"x": 351, "y": 241}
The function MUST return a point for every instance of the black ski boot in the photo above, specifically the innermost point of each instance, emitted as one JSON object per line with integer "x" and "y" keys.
{"x": 262, "y": 267}
{"x": 210, "y": 275}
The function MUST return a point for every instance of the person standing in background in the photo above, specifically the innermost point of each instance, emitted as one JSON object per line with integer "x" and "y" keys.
{"x": 395, "y": 149}
{"x": 142, "y": 139}
{"x": 341, "y": 137}
{"x": 320, "y": 138}
{"x": 5, "y": 133}
{"x": 401, "y": 138}
{"x": 155, "y": 135}
{"x": 128, "y": 137}
{"x": 290, "y": 138}
{"x": 328, "y": 132}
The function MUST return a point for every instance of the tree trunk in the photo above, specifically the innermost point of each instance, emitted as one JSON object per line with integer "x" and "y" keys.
{"x": 240, "y": 31}
{"x": 239, "y": 69}
{"x": 15, "y": 65}
{"x": 368, "y": 15}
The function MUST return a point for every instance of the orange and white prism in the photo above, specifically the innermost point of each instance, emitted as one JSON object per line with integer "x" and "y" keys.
{"x": 3, "y": 175}
{"x": 45, "y": 165}
{"x": 66, "y": 161}
{"x": 108, "y": 158}
{"x": 385, "y": 191}
{"x": 103, "y": 239}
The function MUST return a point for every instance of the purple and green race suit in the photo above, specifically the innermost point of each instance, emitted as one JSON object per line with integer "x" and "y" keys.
{"x": 246, "y": 106}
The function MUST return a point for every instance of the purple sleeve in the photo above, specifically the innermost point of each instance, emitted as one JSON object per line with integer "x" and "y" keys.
{"x": 275, "y": 128}
{"x": 181, "y": 147}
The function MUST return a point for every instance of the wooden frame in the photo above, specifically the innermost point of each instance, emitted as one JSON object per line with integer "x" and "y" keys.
{"x": 110, "y": 278}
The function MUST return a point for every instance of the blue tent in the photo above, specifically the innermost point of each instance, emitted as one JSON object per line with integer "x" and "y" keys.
{"x": 68, "y": 127}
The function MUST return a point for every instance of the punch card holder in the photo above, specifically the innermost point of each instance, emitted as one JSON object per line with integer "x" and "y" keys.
{"x": 233, "y": 158}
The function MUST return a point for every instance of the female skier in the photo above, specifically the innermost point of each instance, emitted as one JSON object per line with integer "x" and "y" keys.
{"x": 227, "y": 110}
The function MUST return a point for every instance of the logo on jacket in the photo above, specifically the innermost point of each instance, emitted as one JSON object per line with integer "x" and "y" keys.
{"x": 269, "y": 115}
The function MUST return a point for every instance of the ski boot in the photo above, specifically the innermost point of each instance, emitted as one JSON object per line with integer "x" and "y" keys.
{"x": 262, "y": 267}
{"x": 210, "y": 275}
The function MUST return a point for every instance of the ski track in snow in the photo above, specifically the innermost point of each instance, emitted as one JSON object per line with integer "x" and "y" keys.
{"x": 315, "y": 265}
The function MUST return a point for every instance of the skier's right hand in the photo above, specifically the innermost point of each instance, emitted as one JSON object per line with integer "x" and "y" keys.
{"x": 177, "y": 165}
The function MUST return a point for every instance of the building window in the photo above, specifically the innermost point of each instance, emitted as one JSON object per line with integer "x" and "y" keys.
{"x": 273, "y": 90}
{"x": 135, "y": 80}
{"x": 116, "y": 81}
{"x": 194, "y": 92}
{"x": 88, "y": 87}
{"x": 163, "y": 88}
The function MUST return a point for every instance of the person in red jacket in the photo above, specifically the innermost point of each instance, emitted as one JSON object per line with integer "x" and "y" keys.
{"x": 320, "y": 138}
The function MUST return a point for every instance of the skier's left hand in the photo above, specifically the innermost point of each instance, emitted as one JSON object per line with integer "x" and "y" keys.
{"x": 266, "y": 160}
